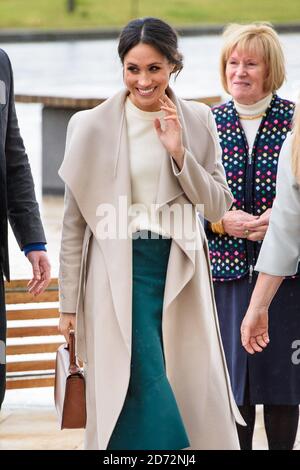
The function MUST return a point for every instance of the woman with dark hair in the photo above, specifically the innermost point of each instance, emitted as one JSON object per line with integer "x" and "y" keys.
{"x": 134, "y": 275}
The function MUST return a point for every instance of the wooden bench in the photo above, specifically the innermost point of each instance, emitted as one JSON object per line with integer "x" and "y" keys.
{"x": 36, "y": 371}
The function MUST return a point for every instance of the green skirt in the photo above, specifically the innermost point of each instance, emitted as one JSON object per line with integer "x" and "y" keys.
{"x": 150, "y": 419}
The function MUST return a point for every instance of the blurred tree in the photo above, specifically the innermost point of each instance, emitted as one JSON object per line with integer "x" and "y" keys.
{"x": 71, "y": 4}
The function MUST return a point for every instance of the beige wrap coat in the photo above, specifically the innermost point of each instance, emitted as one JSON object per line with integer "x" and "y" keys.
{"x": 96, "y": 274}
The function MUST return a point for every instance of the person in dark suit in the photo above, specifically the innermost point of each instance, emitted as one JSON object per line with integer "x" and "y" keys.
{"x": 18, "y": 204}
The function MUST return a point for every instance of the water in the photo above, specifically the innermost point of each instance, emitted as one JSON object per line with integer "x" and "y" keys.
{"x": 92, "y": 68}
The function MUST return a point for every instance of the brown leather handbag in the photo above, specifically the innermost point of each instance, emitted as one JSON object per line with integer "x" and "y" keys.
{"x": 69, "y": 389}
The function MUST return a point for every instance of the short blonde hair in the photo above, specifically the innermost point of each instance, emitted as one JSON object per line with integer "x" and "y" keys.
{"x": 296, "y": 142}
{"x": 258, "y": 38}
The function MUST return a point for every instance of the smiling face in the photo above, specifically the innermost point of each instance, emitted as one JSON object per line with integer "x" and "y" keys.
{"x": 146, "y": 75}
{"x": 245, "y": 75}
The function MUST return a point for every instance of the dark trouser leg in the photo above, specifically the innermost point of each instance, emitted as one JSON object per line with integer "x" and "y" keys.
{"x": 245, "y": 433}
{"x": 281, "y": 423}
{"x": 2, "y": 339}
{"x": 247, "y": 411}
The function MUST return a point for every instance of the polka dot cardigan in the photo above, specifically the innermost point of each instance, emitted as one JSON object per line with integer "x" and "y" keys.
{"x": 251, "y": 178}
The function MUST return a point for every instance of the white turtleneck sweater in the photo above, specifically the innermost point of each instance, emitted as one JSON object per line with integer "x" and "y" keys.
{"x": 146, "y": 155}
{"x": 251, "y": 126}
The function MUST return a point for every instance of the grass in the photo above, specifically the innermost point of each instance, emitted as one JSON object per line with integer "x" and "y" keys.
{"x": 47, "y": 14}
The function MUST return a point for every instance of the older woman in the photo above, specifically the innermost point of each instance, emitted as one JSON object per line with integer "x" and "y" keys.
{"x": 252, "y": 128}
{"x": 282, "y": 238}
{"x": 136, "y": 281}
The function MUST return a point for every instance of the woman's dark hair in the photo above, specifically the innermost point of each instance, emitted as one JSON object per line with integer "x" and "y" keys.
{"x": 155, "y": 33}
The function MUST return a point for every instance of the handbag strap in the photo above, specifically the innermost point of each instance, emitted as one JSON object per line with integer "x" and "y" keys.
{"x": 73, "y": 368}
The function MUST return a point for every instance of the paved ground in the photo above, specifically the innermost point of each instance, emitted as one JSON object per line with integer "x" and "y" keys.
{"x": 36, "y": 428}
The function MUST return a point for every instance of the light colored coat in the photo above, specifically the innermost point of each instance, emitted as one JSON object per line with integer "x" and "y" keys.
{"x": 96, "y": 275}
{"x": 280, "y": 251}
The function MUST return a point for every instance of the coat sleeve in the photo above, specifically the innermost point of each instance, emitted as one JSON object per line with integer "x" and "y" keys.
{"x": 22, "y": 207}
{"x": 207, "y": 190}
{"x": 74, "y": 226}
{"x": 280, "y": 250}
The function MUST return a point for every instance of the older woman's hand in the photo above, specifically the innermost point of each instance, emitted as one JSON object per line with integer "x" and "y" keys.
{"x": 234, "y": 223}
{"x": 67, "y": 322}
{"x": 171, "y": 134}
{"x": 258, "y": 228}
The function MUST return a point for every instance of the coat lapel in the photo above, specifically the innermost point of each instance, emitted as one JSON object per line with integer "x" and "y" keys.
{"x": 117, "y": 251}
{"x": 97, "y": 171}
{"x": 183, "y": 248}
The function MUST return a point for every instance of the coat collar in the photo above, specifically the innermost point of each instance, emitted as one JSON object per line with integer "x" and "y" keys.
{"x": 168, "y": 186}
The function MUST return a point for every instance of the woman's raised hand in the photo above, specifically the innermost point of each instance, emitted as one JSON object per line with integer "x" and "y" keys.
{"x": 171, "y": 134}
